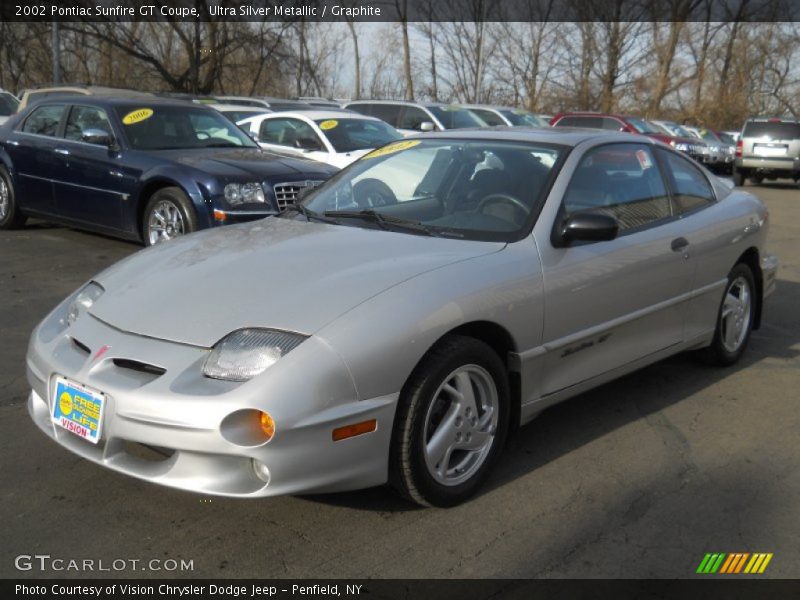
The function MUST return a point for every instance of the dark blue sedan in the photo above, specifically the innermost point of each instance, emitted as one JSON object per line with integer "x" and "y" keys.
{"x": 145, "y": 171}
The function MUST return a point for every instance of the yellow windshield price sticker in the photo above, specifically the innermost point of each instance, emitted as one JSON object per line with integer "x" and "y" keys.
{"x": 330, "y": 124}
{"x": 137, "y": 116}
{"x": 392, "y": 148}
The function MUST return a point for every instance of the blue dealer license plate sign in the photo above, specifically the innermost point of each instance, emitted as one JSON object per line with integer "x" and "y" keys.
{"x": 78, "y": 409}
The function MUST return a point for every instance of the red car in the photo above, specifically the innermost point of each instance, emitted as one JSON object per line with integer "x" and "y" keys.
{"x": 593, "y": 120}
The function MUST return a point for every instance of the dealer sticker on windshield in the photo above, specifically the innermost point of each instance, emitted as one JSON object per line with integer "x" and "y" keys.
{"x": 78, "y": 409}
{"x": 392, "y": 148}
{"x": 644, "y": 159}
{"x": 137, "y": 116}
{"x": 329, "y": 124}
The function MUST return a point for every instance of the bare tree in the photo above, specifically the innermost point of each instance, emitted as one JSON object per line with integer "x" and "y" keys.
{"x": 401, "y": 7}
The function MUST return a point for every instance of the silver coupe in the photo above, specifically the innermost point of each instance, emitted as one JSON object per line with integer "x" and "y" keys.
{"x": 402, "y": 319}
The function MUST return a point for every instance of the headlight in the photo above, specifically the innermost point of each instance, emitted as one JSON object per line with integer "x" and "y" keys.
{"x": 245, "y": 353}
{"x": 83, "y": 301}
{"x": 244, "y": 193}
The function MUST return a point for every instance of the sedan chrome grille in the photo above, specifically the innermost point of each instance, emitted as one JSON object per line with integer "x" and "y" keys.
{"x": 286, "y": 193}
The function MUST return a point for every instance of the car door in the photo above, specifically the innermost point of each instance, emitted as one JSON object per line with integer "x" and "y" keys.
{"x": 32, "y": 149}
{"x": 293, "y": 136}
{"x": 610, "y": 303}
{"x": 92, "y": 187}
{"x": 707, "y": 227}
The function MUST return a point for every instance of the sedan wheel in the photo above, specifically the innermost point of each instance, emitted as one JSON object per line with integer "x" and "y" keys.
{"x": 10, "y": 216}
{"x": 165, "y": 222}
{"x": 169, "y": 214}
{"x": 451, "y": 423}
{"x": 735, "y": 318}
{"x": 460, "y": 425}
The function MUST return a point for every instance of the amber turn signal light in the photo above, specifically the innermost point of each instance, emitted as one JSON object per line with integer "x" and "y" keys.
{"x": 348, "y": 431}
{"x": 267, "y": 425}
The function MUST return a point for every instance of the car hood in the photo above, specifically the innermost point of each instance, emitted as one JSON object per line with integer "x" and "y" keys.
{"x": 236, "y": 163}
{"x": 277, "y": 273}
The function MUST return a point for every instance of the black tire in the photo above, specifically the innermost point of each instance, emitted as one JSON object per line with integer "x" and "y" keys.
{"x": 719, "y": 353}
{"x": 10, "y": 215}
{"x": 757, "y": 179}
{"x": 409, "y": 473}
{"x": 738, "y": 178}
{"x": 175, "y": 202}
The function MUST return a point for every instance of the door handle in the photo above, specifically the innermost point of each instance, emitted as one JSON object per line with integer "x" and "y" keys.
{"x": 62, "y": 151}
{"x": 679, "y": 244}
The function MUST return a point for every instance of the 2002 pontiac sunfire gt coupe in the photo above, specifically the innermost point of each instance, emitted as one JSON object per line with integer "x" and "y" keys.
{"x": 396, "y": 325}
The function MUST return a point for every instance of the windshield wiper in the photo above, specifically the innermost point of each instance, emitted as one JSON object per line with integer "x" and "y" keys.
{"x": 383, "y": 221}
{"x": 308, "y": 214}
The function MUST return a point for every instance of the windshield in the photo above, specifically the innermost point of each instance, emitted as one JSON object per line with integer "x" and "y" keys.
{"x": 8, "y": 104}
{"x": 642, "y": 126}
{"x": 347, "y": 135}
{"x": 523, "y": 118}
{"x": 708, "y": 135}
{"x": 455, "y": 117}
{"x": 677, "y": 130}
{"x": 184, "y": 127}
{"x": 482, "y": 189}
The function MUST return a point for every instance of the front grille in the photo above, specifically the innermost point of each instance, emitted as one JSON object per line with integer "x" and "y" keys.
{"x": 286, "y": 193}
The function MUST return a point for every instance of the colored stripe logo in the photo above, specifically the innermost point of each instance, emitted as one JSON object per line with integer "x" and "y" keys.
{"x": 734, "y": 563}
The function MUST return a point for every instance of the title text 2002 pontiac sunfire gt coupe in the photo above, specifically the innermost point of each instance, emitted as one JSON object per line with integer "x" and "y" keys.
{"x": 397, "y": 324}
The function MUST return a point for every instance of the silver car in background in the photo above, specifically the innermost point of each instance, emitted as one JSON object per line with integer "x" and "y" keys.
{"x": 768, "y": 148}
{"x": 402, "y": 320}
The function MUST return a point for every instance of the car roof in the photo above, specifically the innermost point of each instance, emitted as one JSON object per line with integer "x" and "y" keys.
{"x": 565, "y": 136}
{"x": 123, "y": 101}
{"x": 318, "y": 114}
{"x": 234, "y": 107}
{"x": 774, "y": 119}
{"x": 405, "y": 103}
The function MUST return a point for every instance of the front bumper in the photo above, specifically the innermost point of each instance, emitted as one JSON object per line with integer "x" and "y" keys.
{"x": 168, "y": 429}
{"x": 754, "y": 163}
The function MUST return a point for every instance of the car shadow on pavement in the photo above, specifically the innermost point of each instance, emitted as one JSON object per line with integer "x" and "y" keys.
{"x": 559, "y": 430}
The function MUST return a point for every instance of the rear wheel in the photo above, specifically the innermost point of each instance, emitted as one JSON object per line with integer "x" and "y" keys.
{"x": 10, "y": 215}
{"x": 169, "y": 214}
{"x": 757, "y": 179}
{"x": 738, "y": 177}
{"x": 735, "y": 318}
{"x": 451, "y": 423}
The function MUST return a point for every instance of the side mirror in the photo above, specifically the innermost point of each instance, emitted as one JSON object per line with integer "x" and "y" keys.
{"x": 589, "y": 227}
{"x": 98, "y": 137}
{"x": 427, "y": 126}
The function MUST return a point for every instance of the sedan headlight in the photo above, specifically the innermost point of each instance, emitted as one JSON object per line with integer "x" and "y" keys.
{"x": 83, "y": 301}
{"x": 244, "y": 193}
{"x": 245, "y": 353}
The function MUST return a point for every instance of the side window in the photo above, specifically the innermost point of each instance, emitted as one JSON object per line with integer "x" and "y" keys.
{"x": 413, "y": 117}
{"x": 580, "y": 121}
{"x": 692, "y": 189}
{"x": 364, "y": 109}
{"x": 289, "y": 132}
{"x": 611, "y": 124}
{"x": 620, "y": 180}
{"x": 387, "y": 112}
{"x": 44, "y": 120}
{"x": 490, "y": 117}
{"x": 82, "y": 118}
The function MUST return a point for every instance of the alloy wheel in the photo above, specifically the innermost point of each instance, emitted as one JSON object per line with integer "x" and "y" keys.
{"x": 736, "y": 314}
{"x": 460, "y": 425}
{"x": 165, "y": 222}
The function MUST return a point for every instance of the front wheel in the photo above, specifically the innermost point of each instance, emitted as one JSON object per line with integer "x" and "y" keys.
{"x": 734, "y": 318}
{"x": 451, "y": 423}
{"x": 168, "y": 214}
{"x": 10, "y": 215}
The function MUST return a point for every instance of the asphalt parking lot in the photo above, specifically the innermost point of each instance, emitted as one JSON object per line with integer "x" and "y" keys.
{"x": 638, "y": 478}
